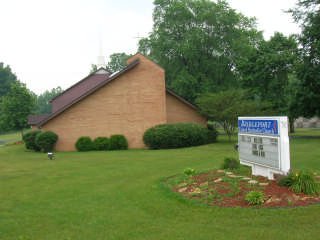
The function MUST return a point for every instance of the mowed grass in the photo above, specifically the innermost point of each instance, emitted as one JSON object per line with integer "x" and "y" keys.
{"x": 118, "y": 195}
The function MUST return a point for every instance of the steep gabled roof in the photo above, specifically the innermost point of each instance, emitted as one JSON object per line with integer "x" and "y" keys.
{"x": 98, "y": 75}
{"x": 89, "y": 92}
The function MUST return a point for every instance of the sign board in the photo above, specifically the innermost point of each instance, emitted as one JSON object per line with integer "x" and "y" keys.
{"x": 264, "y": 145}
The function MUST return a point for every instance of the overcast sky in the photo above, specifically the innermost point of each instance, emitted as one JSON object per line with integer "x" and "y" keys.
{"x": 50, "y": 43}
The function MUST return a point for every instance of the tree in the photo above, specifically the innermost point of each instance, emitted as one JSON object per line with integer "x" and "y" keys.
{"x": 42, "y": 104}
{"x": 15, "y": 107}
{"x": 199, "y": 43}
{"x": 117, "y": 61}
{"x": 226, "y": 106}
{"x": 6, "y": 78}
{"x": 307, "y": 14}
{"x": 266, "y": 72}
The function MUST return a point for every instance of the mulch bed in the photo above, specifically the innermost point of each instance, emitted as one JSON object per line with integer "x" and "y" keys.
{"x": 226, "y": 189}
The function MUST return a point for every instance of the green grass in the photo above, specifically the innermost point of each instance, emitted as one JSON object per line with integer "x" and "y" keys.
{"x": 118, "y": 195}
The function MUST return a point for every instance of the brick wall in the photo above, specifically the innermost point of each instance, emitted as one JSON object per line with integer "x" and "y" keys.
{"x": 178, "y": 111}
{"x": 132, "y": 103}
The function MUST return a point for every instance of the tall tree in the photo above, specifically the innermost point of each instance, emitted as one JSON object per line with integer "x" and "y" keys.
{"x": 307, "y": 13}
{"x": 43, "y": 100}
{"x": 117, "y": 61}
{"x": 265, "y": 73}
{"x": 15, "y": 107}
{"x": 199, "y": 43}
{"x": 6, "y": 78}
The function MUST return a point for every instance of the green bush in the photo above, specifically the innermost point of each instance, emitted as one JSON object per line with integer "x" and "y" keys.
{"x": 46, "y": 141}
{"x": 230, "y": 163}
{"x": 178, "y": 135}
{"x": 255, "y": 197}
{"x": 304, "y": 182}
{"x": 30, "y": 140}
{"x": 189, "y": 171}
{"x": 101, "y": 143}
{"x": 118, "y": 142}
{"x": 84, "y": 144}
{"x": 300, "y": 182}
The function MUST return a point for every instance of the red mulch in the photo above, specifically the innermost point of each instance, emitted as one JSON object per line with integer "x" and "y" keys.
{"x": 231, "y": 192}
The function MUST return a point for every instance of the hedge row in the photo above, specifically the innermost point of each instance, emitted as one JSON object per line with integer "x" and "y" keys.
{"x": 178, "y": 135}
{"x": 115, "y": 142}
{"x": 40, "y": 141}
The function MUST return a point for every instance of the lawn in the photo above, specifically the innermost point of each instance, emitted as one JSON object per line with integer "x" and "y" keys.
{"x": 118, "y": 195}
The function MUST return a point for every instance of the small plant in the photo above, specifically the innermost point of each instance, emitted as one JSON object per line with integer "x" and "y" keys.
{"x": 118, "y": 142}
{"x": 46, "y": 141}
{"x": 101, "y": 143}
{"x": 230, "y": 163}
{"x": 304, "y": 182}
{"x": 286, "y": 181}
{"x": 255, "y": 197}
{"x": 189, "y": 172}
{"x": 30, "y": 140}
{"x": 84, "y": 144}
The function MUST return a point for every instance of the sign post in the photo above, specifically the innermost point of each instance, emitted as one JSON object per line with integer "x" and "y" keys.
{"x": 264, "y": 145}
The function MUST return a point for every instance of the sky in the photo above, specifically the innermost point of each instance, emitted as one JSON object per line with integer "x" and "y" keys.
{"x": 50, "y": 43}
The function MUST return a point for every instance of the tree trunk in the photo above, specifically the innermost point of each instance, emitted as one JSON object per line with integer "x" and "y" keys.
{"x": 291, "y": 125}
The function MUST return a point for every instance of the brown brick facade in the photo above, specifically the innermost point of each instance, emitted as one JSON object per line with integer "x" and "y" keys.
{"x": 178, "y": 111}
{"x": 132, "y": 103}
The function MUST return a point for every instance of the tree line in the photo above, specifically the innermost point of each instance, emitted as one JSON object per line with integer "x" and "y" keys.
{"x": 215, "y": 58}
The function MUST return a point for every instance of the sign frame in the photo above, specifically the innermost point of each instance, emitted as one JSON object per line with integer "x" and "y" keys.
{"x": 267, "y": 133}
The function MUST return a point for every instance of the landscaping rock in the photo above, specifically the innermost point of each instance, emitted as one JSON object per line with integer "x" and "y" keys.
{"x": 273, "y": 199}
{"x": 218, "y": 180}
{"x": 182, "y": 189}
{"x": 220, "y": 171}
{"x": 263, "y": 184}
{"x": 252, "y": 181}
{"x": 246, "y": 178}
{"x": 229, "y": 173}
{"x": 196, "y": 190}
{"x": 232, "y": 176}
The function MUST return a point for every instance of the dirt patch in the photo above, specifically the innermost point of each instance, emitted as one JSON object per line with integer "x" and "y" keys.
{"x": 227, "y": 189}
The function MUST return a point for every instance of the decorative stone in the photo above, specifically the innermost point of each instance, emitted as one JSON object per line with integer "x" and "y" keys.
{"x": 196, "y": 190}
{"x": 246, "y": 178}
{"x": 253, "y": 182}
{"x": 182, "y": 189}
{"x": 273, "y": 199}
{"x": 229, "y": 173}
{"x": 220, "y": 171}
{"x": 182, "y": 184}
{"x": 263, "y": 184}
{"x": 232, "y": 176}
{"x": 218, "y": 180}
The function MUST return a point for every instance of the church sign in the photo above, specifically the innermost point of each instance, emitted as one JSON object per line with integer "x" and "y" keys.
{"x": 264, "y": 145}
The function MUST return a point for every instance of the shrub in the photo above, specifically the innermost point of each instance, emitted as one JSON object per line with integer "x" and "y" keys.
{"x": 101, "y": 143}
{"x": 304, "y": 182}
{"x": 189, "y": 171}
{"x": 30, "y": 140}
{"x": 178, "y": 135}
{"x": 286, "y": 181}
{"x": 84, "y": 144}
{"x": 46, "y": 141}
{"x": 255, "y": 197}
{"x": 230, "y": 163}
{"x": 118, "y": 142}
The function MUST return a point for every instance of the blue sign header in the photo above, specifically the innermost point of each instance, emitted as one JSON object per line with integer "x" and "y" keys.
{"x": 268, "y": 127}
